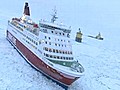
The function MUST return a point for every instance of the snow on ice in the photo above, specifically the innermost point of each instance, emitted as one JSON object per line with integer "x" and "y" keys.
{"x": 101, "y": 59}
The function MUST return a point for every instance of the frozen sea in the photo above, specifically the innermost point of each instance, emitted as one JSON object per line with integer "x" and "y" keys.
{"x": 101, "y": 59}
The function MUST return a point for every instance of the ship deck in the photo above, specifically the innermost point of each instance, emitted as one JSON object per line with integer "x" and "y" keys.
{"x": 67, "y": 68}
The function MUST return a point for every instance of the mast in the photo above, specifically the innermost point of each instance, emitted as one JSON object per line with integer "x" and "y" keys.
{"x": 54, "y": 16}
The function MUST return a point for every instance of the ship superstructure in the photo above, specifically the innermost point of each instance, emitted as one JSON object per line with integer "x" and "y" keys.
{"x": 46, "y": 46}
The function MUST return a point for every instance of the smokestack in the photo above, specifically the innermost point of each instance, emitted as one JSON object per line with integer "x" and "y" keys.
{"x": 26, "y": 9}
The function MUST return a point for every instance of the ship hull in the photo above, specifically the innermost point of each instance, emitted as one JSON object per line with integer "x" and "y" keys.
{"x": 38, "y": 63}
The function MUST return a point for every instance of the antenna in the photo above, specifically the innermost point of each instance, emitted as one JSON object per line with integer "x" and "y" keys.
{"x": 54, "y": 16}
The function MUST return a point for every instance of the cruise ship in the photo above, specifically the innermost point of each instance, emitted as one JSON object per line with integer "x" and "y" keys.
{"x": 46, "y": 46}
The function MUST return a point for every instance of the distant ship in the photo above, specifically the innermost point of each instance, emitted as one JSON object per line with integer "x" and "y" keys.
{"x": 46, "y": 46}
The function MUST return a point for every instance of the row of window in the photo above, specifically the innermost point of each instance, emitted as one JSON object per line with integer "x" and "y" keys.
{"x": 31, "y": 40}
{"x": 56, "y": 39}
{"x": 54, "y": 28}
{"x": 57, "y": 51}
{"x": 31, "y": 44}
{"x": 19, "y": 26}
{"x": 59, "y": 33}
{"x": 55, "y": 44}
{"x": 58, "y": 57}
{"x": 55, "y": 32}
{"x": 27, "y": 37}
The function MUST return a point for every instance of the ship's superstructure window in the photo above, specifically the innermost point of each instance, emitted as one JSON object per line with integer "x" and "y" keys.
{"x": 50, "y": 56}
{"x": 46, "y": 49}
{"x": 33, "y": 41}
{"x": 60, "y": 51}
{"x": 52, "y": 31}
{"x": 47, "y": 55}
{"x": 58, "y": 57}
{"x": 57, "y": 51}
{"x": 45, "y": 42}
{"x": 49, "y": 43}
{"x": 56, "y": 30}
{"x": 50, "y": 50}
{"x": 45, "y": 37}
{"x": 69, "y": 41}
{"x": 68, "y": 35}
{"x": 44, "y": 30}
{"x": 55, "y": 44}
{"x": 54, "y": 50}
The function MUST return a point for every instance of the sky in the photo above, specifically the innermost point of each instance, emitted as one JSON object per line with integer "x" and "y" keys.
{"x": 89, "y": 15}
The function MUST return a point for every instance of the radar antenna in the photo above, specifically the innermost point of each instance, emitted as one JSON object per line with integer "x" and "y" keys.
{"x": 54, "y": 16}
